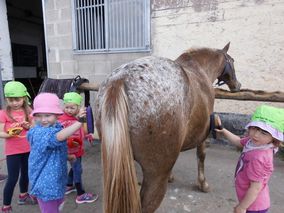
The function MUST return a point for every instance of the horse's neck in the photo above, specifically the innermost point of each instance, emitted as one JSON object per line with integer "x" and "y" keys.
{"x": 199, "y": 66}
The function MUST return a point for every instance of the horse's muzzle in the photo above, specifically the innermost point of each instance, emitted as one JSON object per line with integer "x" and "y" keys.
{"x": 235, "y": 87}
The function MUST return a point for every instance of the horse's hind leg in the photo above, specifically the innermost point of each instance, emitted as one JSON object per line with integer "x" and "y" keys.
{"x": 200, "y": 152}
{"x": 153, "y": 189}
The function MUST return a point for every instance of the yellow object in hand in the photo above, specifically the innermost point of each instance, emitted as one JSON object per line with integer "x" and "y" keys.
{"x": 15, "y": 131}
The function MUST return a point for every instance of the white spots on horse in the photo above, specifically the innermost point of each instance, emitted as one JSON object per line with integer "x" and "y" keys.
{"x": 154, "y": 87}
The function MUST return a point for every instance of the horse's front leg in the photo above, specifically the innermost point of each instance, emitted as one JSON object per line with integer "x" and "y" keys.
{"x": 200, "y": 152}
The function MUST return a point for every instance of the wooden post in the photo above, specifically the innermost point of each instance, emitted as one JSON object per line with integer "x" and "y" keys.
{"x": 250, "y": 95}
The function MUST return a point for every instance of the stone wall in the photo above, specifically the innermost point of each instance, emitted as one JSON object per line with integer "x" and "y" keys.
{"x": 255, "y": 29}
{"x": 6, "y": 66}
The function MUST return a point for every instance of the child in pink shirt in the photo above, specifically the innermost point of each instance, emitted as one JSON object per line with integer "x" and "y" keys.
{"x": 14, "y": 124}
{"x": 255, "y": 165}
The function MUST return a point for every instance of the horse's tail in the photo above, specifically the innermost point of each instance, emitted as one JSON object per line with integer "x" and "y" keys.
{"x": 120, "y": 181}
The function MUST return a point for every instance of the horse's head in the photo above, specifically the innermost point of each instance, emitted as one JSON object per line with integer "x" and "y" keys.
{"x": 228, "y": 76}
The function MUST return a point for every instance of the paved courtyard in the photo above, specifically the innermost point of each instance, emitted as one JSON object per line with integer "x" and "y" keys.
{"x": 182, "y": 195}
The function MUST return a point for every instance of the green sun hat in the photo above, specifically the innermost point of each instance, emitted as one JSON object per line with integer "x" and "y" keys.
{"x": 270, "y": 119}
{"x": 270, "y": 115}
{"x": 72, "y": 97}
{"x": 15, "y": 89}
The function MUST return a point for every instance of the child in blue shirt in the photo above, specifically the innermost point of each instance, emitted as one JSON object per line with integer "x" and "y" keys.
{"x": 48, "y": 156}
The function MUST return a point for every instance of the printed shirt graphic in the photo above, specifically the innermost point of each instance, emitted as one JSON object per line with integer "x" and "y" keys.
{"x": 77, "y": 137}
{"x": 14, "y": 145}
{"x": 256, "y": 166}
{"x": 47, "y": 163}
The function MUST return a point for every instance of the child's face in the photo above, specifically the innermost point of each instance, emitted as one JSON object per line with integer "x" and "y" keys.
{"x": 45, "y": 120}
{"x": 259, "y": 136}
{"x": 71, "y": 109}
{"x": 15, "y": 103}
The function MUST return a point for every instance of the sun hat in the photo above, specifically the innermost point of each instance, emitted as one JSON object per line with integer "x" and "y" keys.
{"x": 14, "y": 89}
{"x": 47, "y": 103}
{"x": 72, "y": 97}
{"x": 270, "y": 119}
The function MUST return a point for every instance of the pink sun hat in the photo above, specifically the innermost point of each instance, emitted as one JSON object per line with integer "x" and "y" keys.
{"x": 47, "y": 103}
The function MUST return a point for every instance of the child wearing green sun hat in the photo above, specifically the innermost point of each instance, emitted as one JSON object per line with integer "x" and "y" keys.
{"x": 15, "y": 121}
{"x": 255, "y": 165}
{"x": 72, "y": 103}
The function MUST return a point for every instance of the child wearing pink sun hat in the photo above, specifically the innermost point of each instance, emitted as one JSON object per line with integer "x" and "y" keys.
{"x": 48, "y": 156}
{"x": 255, "y": 165}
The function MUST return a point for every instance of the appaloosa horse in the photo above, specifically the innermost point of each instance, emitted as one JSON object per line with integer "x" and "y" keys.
{"x": 150, "y": 110}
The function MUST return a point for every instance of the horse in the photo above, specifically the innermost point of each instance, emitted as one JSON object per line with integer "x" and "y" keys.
{"x": 149, "y": 110}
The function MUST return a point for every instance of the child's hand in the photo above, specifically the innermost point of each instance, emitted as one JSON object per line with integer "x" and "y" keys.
{"x": 90, "y": 137}
{"x": 82, "y": 114}
{"x": 25, "y": 125}
{"x": 239, "y": 209}
{"x": 71, "y": 158}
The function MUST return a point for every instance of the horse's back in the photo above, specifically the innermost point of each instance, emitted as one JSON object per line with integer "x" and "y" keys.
{"x": 153, "y": 85}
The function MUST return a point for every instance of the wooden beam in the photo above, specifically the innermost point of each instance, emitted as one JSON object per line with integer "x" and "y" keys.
{"x": 250, "y": 95}
{"x": 89, "y": 86}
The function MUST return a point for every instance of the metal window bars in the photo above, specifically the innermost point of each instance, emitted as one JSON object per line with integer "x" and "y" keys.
{"x": 111, "y": 25}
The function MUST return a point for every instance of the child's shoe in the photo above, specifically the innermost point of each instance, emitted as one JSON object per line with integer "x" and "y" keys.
{"x": 70, "y": 189}
{"x": 86, "y": 198}
{"x": 7, "y": 209}
{"x": 27, "y": 199}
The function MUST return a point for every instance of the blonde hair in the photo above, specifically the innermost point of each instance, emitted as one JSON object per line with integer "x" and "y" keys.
{"x": 26, "y": 108}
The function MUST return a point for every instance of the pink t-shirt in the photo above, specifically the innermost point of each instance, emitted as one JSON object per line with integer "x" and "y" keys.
{"x": 256, "y": 166}
{"x": 14, "y": 145}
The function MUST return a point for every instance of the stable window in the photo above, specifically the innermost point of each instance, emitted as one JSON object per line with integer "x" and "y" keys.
{"x": 111, "y": 25}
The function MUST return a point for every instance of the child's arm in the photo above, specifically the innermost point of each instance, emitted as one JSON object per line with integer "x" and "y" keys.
{"x": 3, "y": 134}
{"x": 249, "y": 198}
{"x": 231, "y": 137}
{"x": 68, "y": 131}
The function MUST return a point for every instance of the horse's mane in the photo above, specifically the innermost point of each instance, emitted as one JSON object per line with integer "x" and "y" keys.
{"x": 194, "y": 50}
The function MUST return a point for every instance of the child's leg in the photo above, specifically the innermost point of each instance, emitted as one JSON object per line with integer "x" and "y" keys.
{"x": 70, "y": 183}
{"x": 51, "y": 206}
{"x": 70, "y": 177}
{"x": 24, "y": 179}
{"x": 13, "y": 168}
{"x": 77, "y": 174}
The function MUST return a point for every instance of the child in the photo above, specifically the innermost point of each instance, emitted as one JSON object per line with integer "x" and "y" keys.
{"x": 14, "y": 123}
{"x": 48, "y": 157}
{"x": 255, "y": 166}
{"x": 72, "y": 102}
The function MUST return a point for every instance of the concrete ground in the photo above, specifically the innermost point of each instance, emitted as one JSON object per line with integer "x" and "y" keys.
{"x": 182, "y": 195}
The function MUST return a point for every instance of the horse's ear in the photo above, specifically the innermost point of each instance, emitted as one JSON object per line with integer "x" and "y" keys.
{"x": 225, "y": 49}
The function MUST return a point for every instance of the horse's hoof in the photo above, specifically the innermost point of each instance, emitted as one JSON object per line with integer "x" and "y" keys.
{"x": 204, "y": 187}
